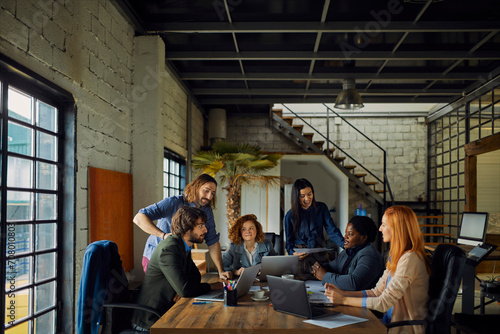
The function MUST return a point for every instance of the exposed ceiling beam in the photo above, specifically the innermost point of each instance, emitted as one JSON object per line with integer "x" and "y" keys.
{"x": 329, "y": 76}
{"x": 322, "y": 91}
{"x": 331, "y": 55}
{"x": 290, "y": 99}
{"x": 318, "y": 27}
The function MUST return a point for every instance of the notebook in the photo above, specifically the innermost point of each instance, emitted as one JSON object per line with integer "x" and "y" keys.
{"x": 290, "y": 296}
{"x": 242, "y": 285}
{"x": 279, "y": 265}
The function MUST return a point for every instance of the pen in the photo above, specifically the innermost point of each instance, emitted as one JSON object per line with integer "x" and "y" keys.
{"x": 199, "y": 303}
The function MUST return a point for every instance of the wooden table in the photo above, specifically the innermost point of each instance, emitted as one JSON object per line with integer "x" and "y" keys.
{"x": 252, "y": 317}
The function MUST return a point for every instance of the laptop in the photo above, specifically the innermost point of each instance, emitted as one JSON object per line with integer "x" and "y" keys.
{"x": 278, "y": 265}
{"x": 243, "y": 285}
{"x": 290, "y": 296}
{"x": 473, "y": 228}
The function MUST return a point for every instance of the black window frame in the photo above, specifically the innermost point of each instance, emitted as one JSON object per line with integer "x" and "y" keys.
{"x": 17, "y": 76}
{"x": 179, "y": 187}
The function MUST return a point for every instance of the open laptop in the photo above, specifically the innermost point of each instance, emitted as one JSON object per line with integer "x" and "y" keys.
{"x": 243, "y": 285}
{"x": 278, "y": 265}
{"x": 473, "y": 228}
{"x": 290, "y": 296}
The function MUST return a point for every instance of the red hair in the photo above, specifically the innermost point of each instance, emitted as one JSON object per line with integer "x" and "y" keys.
{"x": 406, "y": 235}
{"x": 235, "y": 230}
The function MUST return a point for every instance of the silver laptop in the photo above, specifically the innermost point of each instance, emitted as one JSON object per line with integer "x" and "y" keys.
{"x": 290, "y": 296}
{"x": 279, "y": 265}
{"x": 243, "y": 285}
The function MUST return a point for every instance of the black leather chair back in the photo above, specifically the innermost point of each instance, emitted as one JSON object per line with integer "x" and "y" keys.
{"x": 447, "y": 267}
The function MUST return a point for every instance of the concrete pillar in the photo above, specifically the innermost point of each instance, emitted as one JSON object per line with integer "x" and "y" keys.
{"x": 147, "y": 132}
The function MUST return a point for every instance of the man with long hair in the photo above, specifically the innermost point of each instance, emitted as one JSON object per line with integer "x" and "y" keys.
{"x": 199, "y": 193}
{"x": 172, "y": 273}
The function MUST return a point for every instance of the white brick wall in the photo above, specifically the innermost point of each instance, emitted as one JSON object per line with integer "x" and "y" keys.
{"x": 404, "y": 140}
{"x": 86, "y": 48}
{"x": 257, "y": 131}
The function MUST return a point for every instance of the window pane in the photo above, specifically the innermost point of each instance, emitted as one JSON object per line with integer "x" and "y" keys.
{"x": 47, "y": 117}
{"x": 45, "y": 236}
{"x": 20, "y": 106}
{"x": 46, "y": 146}
{"x": 44, "y": 296}
{"x": 20, "y": 139}
{"x": 45, "y": 266}
{"x": 165, "y": 164}
{"x": 165, "y": 192}
{"x": 19, "y": 172}
{"x": 20, "y": 300}
{"x": 45, "y": 323}
{"x": 18, "y": 274}
{"x": 46, "y": 176}
{"x": 18, "y": 239}
{"x": 46, "y": 208}
{"x": 19, "y": 205}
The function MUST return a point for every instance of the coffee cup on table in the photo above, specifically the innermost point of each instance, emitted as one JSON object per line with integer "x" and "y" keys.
{"x": 258, "y": 294}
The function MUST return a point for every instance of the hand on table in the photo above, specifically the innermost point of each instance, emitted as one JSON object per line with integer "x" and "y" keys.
{"x": 318, "y": 271}
{"x": 238, "y": 272}
{"x": 333, "y": 293}
{"x": 225, "y": 275}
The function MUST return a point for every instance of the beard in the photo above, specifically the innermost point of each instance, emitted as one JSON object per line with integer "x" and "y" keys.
{"x": 196, "y": 239}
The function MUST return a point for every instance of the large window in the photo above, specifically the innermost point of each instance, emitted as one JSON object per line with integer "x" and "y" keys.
{"x": 32, "y": 193}
{"x": 174, "y": 174}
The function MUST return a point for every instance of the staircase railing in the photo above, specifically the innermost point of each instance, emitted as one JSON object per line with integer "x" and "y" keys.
{"x": 384, "y": 180}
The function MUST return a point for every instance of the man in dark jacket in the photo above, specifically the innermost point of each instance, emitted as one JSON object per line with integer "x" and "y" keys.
{"x": 171, "y": 272}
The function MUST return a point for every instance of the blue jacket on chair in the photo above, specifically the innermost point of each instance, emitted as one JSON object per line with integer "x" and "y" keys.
{"x": 101, "y": 268}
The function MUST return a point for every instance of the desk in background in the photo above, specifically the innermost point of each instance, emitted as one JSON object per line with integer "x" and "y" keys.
{"x": 251, "y": 317}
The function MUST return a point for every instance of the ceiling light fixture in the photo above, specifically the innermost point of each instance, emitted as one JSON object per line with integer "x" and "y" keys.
{"x": 349, "y": 98}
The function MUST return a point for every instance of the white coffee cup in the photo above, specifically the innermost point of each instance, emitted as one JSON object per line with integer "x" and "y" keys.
{"x": 259, "y": 294}
{"x": 287, "y": 276}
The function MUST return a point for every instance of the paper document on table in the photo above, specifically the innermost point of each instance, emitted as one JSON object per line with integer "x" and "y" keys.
{"x": 316, "y": 292}
{"x": 335, "y": 321}
{"x": 310, "y": 250}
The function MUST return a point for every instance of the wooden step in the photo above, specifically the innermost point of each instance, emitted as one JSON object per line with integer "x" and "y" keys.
{"x": 438, "y": 243}
{"x": 371, "y": 183}
{"x": 278, "y": 112}
{"x": 378, "y": 191}
{"x": 298, "y": 128}
{"x": 339, "y": 159}
{"x": 289, "y": 120}
{"x": 308, "y": 136}
{"x": 349, "y": 167}
{"x": 433, "y": 225}
{"x": 437, "y": 217}
{"x": 436, "y": 234}
{"x": 319, "y": 144}
{"x": 360, "y": 174}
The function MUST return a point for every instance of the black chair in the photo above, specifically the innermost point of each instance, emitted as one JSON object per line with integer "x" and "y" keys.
{"x": 447, "y": 266}
{"x": 105, "y": 303}
{"x": 277, "y": 242}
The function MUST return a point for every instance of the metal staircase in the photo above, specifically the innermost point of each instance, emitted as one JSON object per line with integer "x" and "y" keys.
{"x": 307, "y": 143}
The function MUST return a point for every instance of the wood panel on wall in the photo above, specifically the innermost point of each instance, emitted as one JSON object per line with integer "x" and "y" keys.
{"x": 111, "y": 212}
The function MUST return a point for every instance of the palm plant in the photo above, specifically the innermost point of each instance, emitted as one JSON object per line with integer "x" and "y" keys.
{"x": 236, "y": 164}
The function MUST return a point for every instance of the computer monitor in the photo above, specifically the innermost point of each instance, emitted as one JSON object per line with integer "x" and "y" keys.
{"x": 473, "y": 228}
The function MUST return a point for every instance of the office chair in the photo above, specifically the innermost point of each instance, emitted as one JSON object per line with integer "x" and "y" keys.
{"x": 105, "y": 304}
{"x": 447, "y": 266}
{"x": 276, "y": 240}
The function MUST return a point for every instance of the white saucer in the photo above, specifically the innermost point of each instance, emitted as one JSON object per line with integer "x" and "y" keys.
{"x": 260, "y": 299}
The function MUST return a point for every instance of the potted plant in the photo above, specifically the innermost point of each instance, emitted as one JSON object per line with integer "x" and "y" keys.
{"x": 491, "y": 283}
{"x": 235, "y": 165}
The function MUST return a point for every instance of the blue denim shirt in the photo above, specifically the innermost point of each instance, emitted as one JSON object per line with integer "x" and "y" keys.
{"x": 235, "y": 257}
{"x": 164, "y": 210}
{"x": 310, "y": 232}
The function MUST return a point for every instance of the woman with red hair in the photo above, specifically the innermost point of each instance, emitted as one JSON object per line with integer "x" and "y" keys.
{"x": 401, "y": 292}
{"x": 248, "y": 245}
